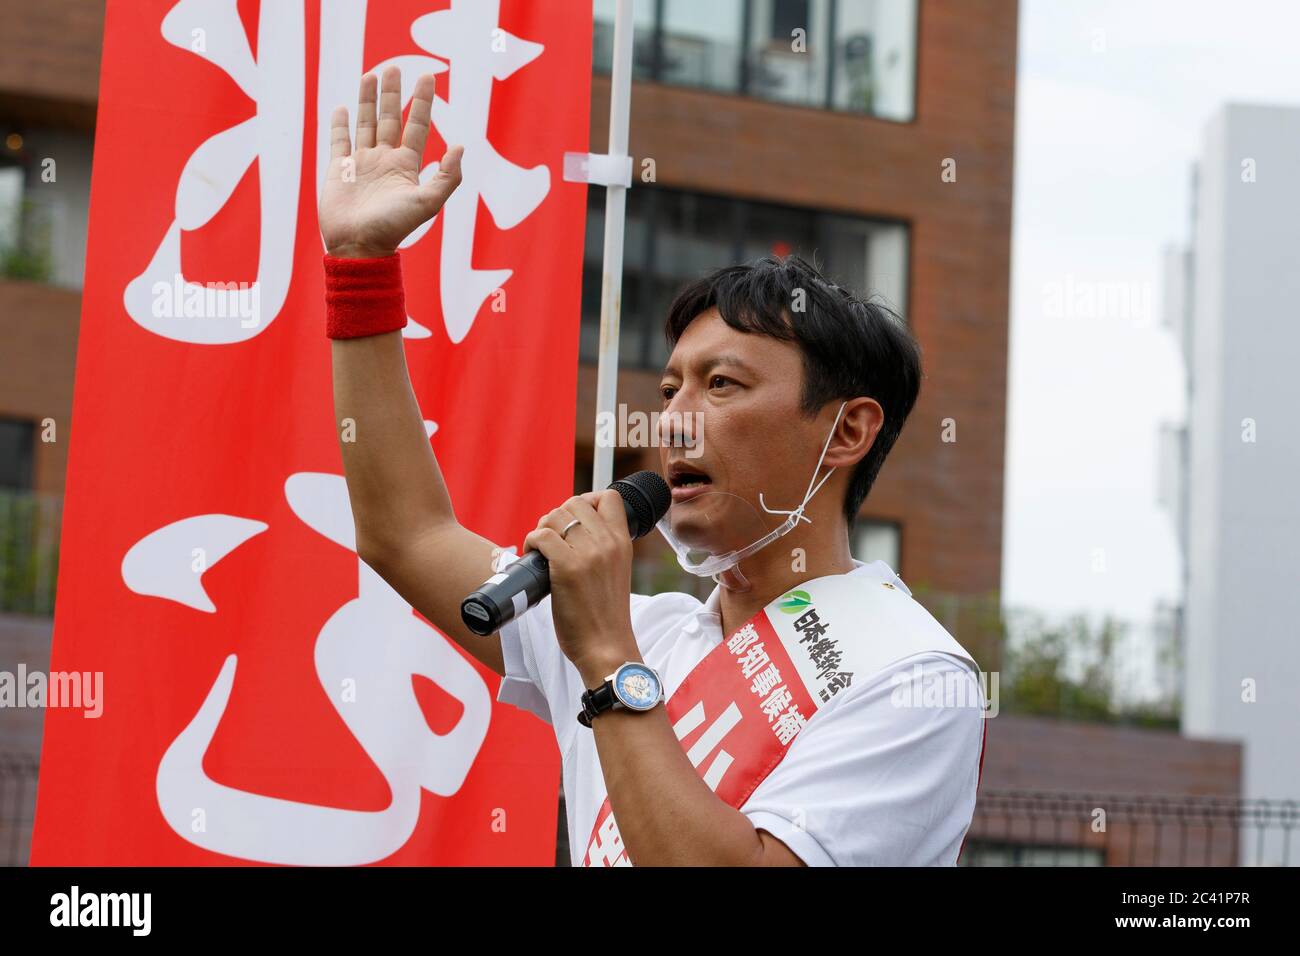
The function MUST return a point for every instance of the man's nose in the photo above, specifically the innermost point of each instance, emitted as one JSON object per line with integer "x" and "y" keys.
{"x": 681, "y": 425}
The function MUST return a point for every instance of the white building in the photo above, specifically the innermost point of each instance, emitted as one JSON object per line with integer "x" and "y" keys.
{"x": 1234, "y": 300}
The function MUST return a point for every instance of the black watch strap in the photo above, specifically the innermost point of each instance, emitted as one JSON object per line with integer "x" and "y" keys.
{"x": 596, "y": 701}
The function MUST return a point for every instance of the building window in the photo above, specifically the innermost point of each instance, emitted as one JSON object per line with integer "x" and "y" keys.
{"x": 699, "y": 44}
{"x": 11, "y": 202}
{"x": 17, "y": 445}
{"x": 643, "y": 37}
{"x": 788, "y": 52}
{"x": 877, "y": 541}
{"x": 851, "y": 55}
{"x": 672, "y": 237}
{"x": 26, "y": 221}
{"x": 874, "y": 58}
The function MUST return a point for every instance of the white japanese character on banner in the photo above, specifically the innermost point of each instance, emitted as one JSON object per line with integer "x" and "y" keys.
{"x": 753, "y": 659}
{"x": 710, "y": 740}
{"x": 743, "y": 637}
{"x": 466, "y": 36}
{"x": 477, "y": 52}
{"x": 765, "y": 680}
{"x": 373, "y": 640}
{"x": 776, "y": 702}
{"x": 789, "y": 724}
{"x": 160, "y": 299}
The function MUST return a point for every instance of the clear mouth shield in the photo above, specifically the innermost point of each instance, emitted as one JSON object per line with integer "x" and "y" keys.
{"x": 713, "y": 531}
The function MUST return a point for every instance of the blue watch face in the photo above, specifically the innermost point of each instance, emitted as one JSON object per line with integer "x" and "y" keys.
{"x": 636, "y": 686}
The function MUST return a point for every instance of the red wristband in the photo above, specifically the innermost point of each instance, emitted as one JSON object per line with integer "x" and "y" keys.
{"x": 363, "y": 296}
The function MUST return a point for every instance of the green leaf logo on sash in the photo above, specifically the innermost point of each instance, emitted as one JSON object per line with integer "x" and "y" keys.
{"x": 794, "y": 602}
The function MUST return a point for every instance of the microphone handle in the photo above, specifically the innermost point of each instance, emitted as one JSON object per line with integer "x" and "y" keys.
{"x": 507, "y": 594}
{"x": 523, "y": 583}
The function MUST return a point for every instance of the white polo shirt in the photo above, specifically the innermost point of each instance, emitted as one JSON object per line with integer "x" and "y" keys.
{"x": 865, "y": 783}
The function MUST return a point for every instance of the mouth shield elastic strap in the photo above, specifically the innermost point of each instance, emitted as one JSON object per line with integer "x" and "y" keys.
{"x": 713, "y": 565}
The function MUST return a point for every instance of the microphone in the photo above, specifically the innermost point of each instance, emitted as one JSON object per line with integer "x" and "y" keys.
{"x": 507, "y": 594}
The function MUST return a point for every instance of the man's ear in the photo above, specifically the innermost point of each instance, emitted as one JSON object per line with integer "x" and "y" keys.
{"x": 860, "y": 423}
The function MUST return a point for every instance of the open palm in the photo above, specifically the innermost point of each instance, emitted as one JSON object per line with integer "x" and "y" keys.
{"x": 373, "y": 197}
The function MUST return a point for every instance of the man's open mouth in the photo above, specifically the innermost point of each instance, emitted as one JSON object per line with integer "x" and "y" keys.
{"x": 682, "y": 475}
{"x": 687, "y": 481}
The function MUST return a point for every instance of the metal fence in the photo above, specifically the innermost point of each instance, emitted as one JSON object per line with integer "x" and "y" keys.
{"x": 1043, "y": 828}
{"x": 1010, "y": 827}
{"x": 17, "y": 807}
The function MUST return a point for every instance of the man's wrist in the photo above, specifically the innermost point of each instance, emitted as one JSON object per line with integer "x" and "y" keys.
{"x": 357, "y": 251}
{"x": 363, "y": 296}
{"x": 597, "y": 667}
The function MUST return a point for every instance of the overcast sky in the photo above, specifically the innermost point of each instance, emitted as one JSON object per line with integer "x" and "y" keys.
{"x": 1112, "y": 102}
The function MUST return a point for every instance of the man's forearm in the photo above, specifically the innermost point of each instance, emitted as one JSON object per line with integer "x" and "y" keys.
{"x": 393, "y": 479}
{"x": 666, "y": 813}
{"x": 373, "y": 197}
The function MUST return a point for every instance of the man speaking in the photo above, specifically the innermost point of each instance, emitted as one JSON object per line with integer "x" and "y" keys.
{"x": 809, "y": 712}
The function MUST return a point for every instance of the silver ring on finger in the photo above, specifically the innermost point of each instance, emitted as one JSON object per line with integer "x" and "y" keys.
{"x": 565, "y": 532}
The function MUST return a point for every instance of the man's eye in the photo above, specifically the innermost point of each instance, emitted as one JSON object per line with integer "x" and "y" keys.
{"x": 719, "y": 381}
{"x": 667, "y": 391}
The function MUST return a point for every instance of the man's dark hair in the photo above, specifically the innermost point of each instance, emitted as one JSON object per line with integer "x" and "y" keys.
{"x": 850, "y": 347}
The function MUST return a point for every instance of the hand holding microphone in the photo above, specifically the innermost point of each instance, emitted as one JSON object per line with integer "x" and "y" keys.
{"x": 523, "y": 583}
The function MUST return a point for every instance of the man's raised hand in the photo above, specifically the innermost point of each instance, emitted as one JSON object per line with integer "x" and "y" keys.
{"x": 373, "y": 197}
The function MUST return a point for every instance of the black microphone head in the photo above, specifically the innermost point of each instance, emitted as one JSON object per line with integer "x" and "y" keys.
{"x": 647, "y": 497}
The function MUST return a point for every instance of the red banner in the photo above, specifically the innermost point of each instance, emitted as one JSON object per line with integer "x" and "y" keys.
{"x": 266, "y": 697}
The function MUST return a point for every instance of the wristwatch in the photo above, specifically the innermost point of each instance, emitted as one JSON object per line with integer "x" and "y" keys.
{"x": 634, "y": 686}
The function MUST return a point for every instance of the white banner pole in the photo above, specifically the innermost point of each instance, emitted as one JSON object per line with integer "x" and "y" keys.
{"x": 611, "y": 284}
